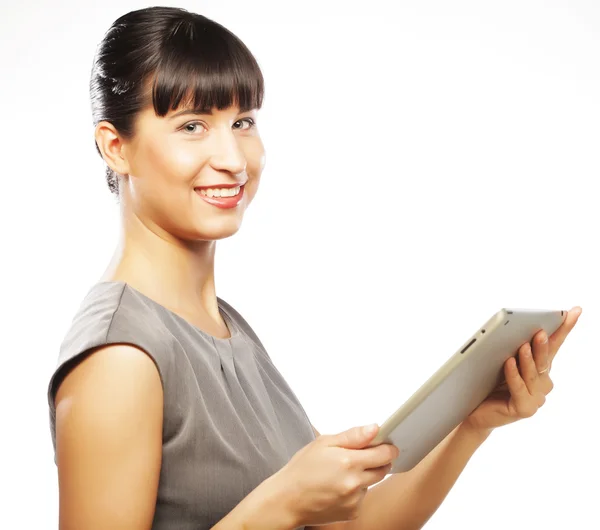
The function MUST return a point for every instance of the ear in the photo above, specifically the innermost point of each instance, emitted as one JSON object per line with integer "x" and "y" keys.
{"x": 112, "y": 147}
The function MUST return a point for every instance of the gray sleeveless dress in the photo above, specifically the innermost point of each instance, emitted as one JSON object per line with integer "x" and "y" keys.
{"x": 230, "y": 419}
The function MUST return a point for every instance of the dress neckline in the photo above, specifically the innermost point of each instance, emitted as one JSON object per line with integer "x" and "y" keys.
{"x": 229, "y": 321}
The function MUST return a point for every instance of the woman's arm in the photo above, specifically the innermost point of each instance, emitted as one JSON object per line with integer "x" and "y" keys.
{"x": 109, "y": 446}
{"x": 408, "y": 500}
{"x": 109, "y": 441}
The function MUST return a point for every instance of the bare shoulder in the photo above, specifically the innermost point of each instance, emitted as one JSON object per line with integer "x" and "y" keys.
{"x": 109, "y": 440}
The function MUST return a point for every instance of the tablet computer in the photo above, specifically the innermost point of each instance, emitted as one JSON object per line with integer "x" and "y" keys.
{"x": 460, "y": 385}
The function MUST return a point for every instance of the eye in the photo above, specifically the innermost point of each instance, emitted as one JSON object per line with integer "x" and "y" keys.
{"x": 191, "y": 126}
{"x": 187, "y": 126}
{"x": 251, "y": 123}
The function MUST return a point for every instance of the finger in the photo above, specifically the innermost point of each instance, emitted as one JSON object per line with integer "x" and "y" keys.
{"x": 559, "y": 336}
{"x": 354, "y": 438}
{"x": 521, "y": 402}
{"x": 502, "y": 386}
{"x": 377, "y": 456}
{"x": 541, "y": 352}
{"x": 527, "y": 368}
{"x": 373, "y": 476}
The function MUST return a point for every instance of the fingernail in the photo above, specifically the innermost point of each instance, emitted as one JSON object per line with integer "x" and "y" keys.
{"x": 370, "y": 429}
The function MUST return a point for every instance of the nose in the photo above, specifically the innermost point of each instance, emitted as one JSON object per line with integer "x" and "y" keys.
{"x": 227, "y": 155}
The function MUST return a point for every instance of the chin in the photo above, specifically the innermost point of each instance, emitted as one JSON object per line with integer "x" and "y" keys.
{"x": 218, "y": 230}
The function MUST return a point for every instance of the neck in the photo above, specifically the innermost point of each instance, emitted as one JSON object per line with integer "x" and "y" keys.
{"x": 175, "y": 273}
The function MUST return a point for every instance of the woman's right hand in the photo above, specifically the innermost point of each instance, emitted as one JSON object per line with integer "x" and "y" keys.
{"x": 326, "y": 480}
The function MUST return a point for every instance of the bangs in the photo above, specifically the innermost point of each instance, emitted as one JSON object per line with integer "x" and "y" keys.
{"x": 203, "y": 65}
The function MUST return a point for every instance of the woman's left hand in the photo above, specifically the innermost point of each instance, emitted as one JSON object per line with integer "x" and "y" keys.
{"x": 527, "y": 382}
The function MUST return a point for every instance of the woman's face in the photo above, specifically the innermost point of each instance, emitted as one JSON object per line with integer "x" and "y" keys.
{"x": 171, "y": 158}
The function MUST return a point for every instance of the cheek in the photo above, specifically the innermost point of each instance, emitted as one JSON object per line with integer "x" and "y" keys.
{"x": 251, "y": 188}
{"x": 174, "y": 159}
{"x": 164, "y": 170}
{"x": 255, "y": 163}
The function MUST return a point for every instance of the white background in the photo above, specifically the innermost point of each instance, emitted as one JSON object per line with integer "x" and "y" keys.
{"x": 427, "y": 164}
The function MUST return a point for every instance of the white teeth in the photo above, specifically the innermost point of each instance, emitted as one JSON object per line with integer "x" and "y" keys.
{"x": 220, "y": 192}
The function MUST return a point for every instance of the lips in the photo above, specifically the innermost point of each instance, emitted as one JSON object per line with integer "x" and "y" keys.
{"x": 222, "y": 202}
{"x": 219, "y": 186}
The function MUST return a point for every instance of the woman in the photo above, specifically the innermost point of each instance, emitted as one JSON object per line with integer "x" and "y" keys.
{"x": 166, "y": 410}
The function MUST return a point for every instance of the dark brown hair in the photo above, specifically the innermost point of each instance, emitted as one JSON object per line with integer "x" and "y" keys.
{"x": 168, "y": 56}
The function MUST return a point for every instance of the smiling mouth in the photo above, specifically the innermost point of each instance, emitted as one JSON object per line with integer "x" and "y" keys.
{"x": 219, "y": 192}
{"x": 224, "y": 198}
